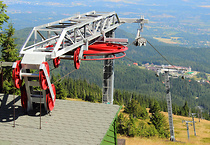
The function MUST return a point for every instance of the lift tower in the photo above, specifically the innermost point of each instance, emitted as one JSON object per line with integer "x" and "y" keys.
{"x": 77, "y": 38}
{"x": 169, "y": 103}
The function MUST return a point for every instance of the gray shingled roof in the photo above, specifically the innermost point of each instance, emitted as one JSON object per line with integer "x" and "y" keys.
{"x": 71, "y": 122}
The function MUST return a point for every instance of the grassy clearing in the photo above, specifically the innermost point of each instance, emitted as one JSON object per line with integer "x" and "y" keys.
{"x": 167, "y": 40}
{"x": 141, "y": 67}
{"x": 202, "y": 131}
{"x": 71, "y": 99}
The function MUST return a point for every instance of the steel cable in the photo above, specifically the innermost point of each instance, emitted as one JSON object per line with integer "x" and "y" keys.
{"x": 161, "y": 54}
{"x": 65, "y": 76}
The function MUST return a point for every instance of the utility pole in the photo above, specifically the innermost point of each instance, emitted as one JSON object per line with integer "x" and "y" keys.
{"x": 199, "y": 112}
{"x": 187, "y": 127}
{"x": 193, "y": 114}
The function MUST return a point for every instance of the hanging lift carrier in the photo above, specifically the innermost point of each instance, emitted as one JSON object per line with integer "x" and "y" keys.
{"x": 88, "y": 36}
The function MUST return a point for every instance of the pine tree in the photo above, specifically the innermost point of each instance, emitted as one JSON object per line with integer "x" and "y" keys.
{"x": 9, "y": 54}
{"x": 3, "y": 18}
{"x": 154, "y": 108}
{"x": 132, "y": 128}
{"x": 185, "y": 109}
{"x": 135, "y": 110}
{"x": 141, "y": 112}
{"x": 121, "y": 124}
{"x": 60, "y": 91}
{"x": 159, "y": 121}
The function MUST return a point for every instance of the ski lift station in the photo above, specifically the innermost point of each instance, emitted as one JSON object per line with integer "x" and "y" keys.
{"x": 83, "y": 37}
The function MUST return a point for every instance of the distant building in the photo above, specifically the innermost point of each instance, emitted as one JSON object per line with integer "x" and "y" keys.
{"x": 178, "y": 70}
{"x": 146, "y": 65}
{"x": 135, "y": 63}
{"x": 153, "y": 68}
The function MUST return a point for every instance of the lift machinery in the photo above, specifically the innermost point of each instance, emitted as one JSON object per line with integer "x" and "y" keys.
{"x": 88, "y": 36}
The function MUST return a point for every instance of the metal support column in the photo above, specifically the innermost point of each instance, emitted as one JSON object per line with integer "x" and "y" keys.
{"x": 193, "y": 122}
{"x": 108, "y": 76}
{"x": 188, "y": 135}
{"x": 169, "y": 105}
{"x": 108, "y": 81}
{"x": 187, "y": 124}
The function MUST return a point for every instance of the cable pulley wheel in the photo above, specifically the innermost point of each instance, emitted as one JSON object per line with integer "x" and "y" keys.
{"x": 56, "y": 62}
{"x": 23, "y": 97}
{"x": 99, "y": 49}
{"x": 76, "y": 58}
{"x": 16, "y": 75}
{"x": 50, "y": 102}
{"x": 42, "y": 77}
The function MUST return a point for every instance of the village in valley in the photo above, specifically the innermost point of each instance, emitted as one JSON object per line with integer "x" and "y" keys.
{"x": 175, "y": 71}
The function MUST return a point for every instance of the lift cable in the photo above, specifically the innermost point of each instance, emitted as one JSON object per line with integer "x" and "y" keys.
{"x": 64, "y": 76}
{"x": 186, "y": 84}
{"x": 130, "y": 59}
{"x": 53, "y": 68}
{"x": 156, "y": 51}
{"x": 161, "y": 54}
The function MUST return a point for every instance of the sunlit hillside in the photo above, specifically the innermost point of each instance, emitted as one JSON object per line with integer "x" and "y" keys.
{"x": 202, "y": 131}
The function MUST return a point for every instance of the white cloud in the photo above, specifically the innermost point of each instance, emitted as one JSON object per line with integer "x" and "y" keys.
{"x": 51, "y": 4}
{"x": 205, "y": 6}
{"x": 45, "y": 3}
{"x": 10, "y": 2}
{"x": 164, "y": 16}
{"x": 124, "y": 1}
{"x": 128, "y": 13}
{"x": 77, "y": 4}
{"x": 114, "y": 0}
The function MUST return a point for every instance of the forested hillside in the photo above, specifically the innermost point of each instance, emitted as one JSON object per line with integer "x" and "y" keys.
{"x": 134, "y": 79}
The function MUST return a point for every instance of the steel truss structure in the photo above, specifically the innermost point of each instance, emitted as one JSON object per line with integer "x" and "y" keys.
{"x": 71, "y": 38}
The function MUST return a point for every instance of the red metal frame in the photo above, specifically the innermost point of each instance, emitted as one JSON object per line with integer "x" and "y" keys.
{"x": 42, "y": 77}
{"x": 16, "y": 75}
{"x": 23, "y": 98}
{"x": 56, "y": 62}
{"x": 76, "y": 58}
{"x": 50, "y": 102}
